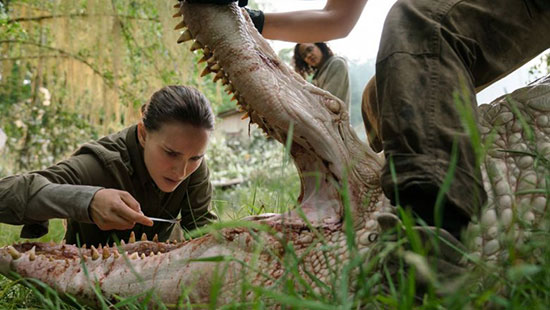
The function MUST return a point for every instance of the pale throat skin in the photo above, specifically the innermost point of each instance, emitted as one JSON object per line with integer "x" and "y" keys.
{"x": 172, "y": 152}
{"x": 311, "y": 54}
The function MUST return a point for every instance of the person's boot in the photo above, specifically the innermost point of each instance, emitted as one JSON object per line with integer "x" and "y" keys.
{"x": 440, "y": 259}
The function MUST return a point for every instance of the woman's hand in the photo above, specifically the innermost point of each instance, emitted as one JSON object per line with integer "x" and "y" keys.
{"x": 115, "y": 209}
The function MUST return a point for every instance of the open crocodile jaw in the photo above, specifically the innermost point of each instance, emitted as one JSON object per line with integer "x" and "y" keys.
{"x": 326, "y": 151}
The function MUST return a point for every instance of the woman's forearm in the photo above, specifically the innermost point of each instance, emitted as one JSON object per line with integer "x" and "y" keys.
{"x": 334, "y": 21}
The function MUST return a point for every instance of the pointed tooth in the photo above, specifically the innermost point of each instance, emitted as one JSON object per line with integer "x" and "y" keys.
{"x": 32, "y": 253}
{"x": 211, "y": 60}
{"x": 100, "y": 246}
{"x": 132, "y": 238}
{"x": 179, "y": 13}
{"x": 206, "y": 71}
{"x": 95, "y": 253}
{"x": 151, "y": 254}
{"x": 84, "y": 246}
{"x": 115, "y": 253}
{"x": 156, "y": 238}
{"x": 144, "y": 237}
{"x": 185, "y": 36}
{"x": 234, "y": 98}
{"x": 215, "y": 67}
{"x": 203, "y": 59}
{"x": 225, "y": 81}
{"x": 134, "y": 255}
{"x": 196, "y": 46}
{"x": 229, "y": 88}
{"x": 180, "y": 25}
{"x": 122, "y": 242}
{"x": 142, "y": 255}
{"x": 13, "y": 252}
{"x": 84, "y": 257}
{"x": 106, "y": 252}
{"x": 206, "y": 50}
{"x": 218, "y": 76}
{"x": 245, "y": 116}
{"x": 174, "y": 241}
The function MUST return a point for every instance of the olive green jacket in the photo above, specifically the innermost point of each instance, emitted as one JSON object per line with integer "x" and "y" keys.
{"x": 66, "y": 189}
{"x": 333, "y": 77}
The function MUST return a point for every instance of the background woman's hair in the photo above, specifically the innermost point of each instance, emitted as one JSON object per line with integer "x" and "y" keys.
{"x": 301, "y": 66}
{"x": 177, "y": 103}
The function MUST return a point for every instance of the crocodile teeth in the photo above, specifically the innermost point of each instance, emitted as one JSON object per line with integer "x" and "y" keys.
{"x": 207, "y": 50}
{"x": 151, "y": 254}
{"x": 215, "y": 67}
{"x": 196, "y": 46}
{"x": 122, "y": 242}
{"x": 245, "y": 116}
{"x": 13, "y": 252}
{"x": 134, "y": 256}
{"x": 32, "y": 253}
{"x": 225, "y": 81}
{"x": 179, "y": 13}
{"x": 84, "y": 246}
{"x": 180, "y": 25}
{"x": 177, "y": 5}
{"x": 211, "y": 60}
{"x": 95, "y": 253}
{"x": 203, "y": 59}
{"x": 144, "y": 237}
{"x": 115, "y": 253}
{"x": 143, "y": 256}
{"x": 229, "y": 89}
{"x": 220, "y": 74}
{"x": 206, "y": 71}
{"x": 132, "y": 238}
{"x": 156, "y": 238}
{"x": 106, "y": 252}
{"x": 185, "y": 36}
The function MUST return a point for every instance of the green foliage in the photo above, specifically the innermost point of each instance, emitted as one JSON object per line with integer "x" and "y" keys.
{"x": 258, "y": 164}
{"x": 39, "y": 132}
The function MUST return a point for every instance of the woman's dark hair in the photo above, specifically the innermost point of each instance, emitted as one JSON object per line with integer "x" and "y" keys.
{"x": 180, "y": 104}
{"x": 301, "y": 66}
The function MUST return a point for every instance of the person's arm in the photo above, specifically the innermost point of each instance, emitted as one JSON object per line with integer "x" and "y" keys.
{"x": 196, "y": 205}
{"x": 334, "y": 21}
{"x": 59, "y": 192}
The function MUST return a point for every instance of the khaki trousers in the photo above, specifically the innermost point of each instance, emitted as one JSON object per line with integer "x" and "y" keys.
{"x": 430, "y": 51}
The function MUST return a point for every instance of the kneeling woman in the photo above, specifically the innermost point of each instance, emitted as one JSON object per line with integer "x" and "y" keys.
{"x": 155, "y": 167}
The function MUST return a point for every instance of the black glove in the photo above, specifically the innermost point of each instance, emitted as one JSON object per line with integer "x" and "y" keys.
{"x": 257, "y": 18}
{"x": 241, "y": 2}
